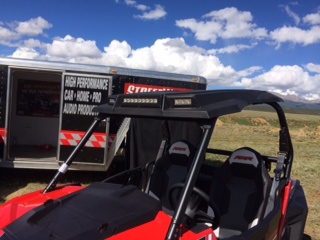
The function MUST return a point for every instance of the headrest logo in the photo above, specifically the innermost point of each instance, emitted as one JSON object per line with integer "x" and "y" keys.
{"x": 244, "y": 156}
{"x": 179, "y": 148}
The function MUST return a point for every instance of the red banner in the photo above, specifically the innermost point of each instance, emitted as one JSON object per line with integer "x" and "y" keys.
{"x": 139, "y": 88}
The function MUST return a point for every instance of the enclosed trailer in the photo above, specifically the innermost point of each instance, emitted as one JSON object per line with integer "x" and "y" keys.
{"x": 45, "y": 109}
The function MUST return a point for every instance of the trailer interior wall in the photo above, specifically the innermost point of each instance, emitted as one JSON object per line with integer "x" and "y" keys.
{"x": 32, "y": 130}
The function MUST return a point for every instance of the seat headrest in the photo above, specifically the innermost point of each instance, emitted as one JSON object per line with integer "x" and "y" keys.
{"x": 181, "y": 153}
{"x": 245, "y": 162}
{"x": 245, "y": 156}
{"x": 180, "y": 148}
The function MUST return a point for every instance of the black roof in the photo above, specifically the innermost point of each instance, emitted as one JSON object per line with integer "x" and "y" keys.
{"x": 191, "y": 105}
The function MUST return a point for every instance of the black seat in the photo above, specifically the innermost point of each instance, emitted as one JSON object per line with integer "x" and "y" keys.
{"x": 240, "y": 189}
{"x": 171, "y": 168}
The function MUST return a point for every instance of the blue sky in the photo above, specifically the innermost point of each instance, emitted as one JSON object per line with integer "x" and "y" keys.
{"x": 271, "y": 45}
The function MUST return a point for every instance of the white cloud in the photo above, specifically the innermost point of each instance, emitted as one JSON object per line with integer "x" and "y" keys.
{"x": 25, "y": 52}
{"x": 116, "y": 48}
{"x": 174, "y": 55}
{"x": 33, "y": 43}
{"x": 115, "y": 54}
{"x": 142, "y": 7}
{"x": 33, "y": 27}
{"x": 315, "y": 68}
{"x": 231, "y": 23}
{"x": 292, "y": 14}
{"x": 312, "y": 19}
{"x": 69, "y": 47}
{"x": 227, "y": 23}
{"x": 7, "y": 36}
{"x": 249, "y": 71}
{"x": 11, "y": 34}
{"x": 157, "y": 13}
{"x": 285, "y": 79}
{"x": 296, "y": 35}
{"x": 204, "y": 31}
{"x": 168, "y": 55}
{"x": 231, "y": 49}
{"x": 147, "y": 13}
{"x": 130, "y": 2}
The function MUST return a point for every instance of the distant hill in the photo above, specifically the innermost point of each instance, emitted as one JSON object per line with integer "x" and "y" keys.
{"x": 295, "y": 104}
{"x": 295, "y": 98}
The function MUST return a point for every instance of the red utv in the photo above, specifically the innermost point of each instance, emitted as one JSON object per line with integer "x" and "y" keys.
{"x": 173, "y": 194}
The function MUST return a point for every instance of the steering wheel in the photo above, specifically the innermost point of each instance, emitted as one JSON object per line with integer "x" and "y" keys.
{"x": 192, "y": 213}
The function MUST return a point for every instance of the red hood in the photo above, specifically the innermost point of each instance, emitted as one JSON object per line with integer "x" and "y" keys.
{"x": 27, "y": 216}
{"x": 17, "y": 207}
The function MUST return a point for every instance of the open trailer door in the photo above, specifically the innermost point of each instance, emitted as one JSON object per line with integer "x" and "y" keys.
{"x": 32, "y": 109}
{"x": 80, "y": 93}
{"x": 3, "y": 97}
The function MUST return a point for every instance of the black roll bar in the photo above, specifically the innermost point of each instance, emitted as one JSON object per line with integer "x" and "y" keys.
{"x": 285, "y": 143}
{"x": 173, "y": 232}
{"x": 64, "y": 167}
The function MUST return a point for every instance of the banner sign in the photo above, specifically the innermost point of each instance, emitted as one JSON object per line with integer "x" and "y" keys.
{"x": 139, "y": 88}
{"x": 80, "y": 94}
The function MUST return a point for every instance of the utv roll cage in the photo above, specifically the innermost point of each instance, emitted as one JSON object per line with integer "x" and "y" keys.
{"x": 202, "y": 107}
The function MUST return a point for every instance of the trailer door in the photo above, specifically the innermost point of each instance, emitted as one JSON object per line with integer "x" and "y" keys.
{"x": 32, "y": 117}
{"x": 3, "y": 97}
{"x": 80, "y": 93}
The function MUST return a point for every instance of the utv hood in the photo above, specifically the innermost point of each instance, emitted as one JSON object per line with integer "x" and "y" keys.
{"x": 97, "y": 212}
